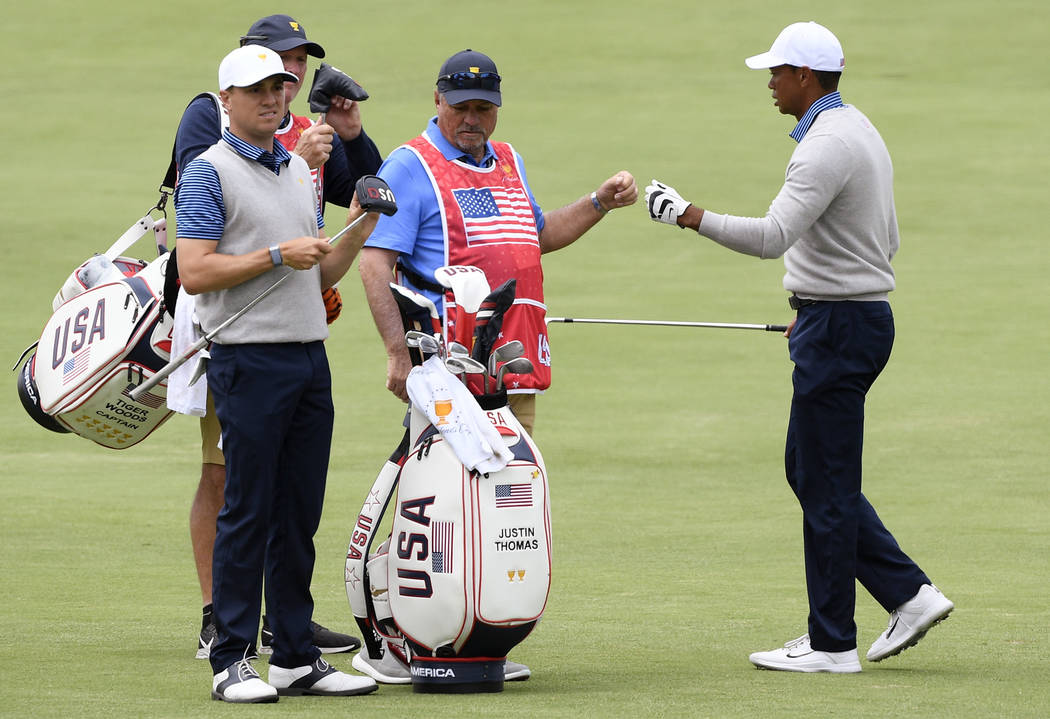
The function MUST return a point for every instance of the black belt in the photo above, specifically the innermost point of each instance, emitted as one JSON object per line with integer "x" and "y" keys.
{"x": 797, "y": 302}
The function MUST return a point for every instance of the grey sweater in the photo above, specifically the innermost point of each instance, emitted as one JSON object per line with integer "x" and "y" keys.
{"x": 263, "y": 209}
{"x": 833, "y": 220}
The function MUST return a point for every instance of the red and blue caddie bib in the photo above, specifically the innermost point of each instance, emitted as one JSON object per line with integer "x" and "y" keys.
{"x": 487, "y": 222}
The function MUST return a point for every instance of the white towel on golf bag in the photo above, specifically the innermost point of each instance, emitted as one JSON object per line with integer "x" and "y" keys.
{"x": 465, "y": 426}
{"x": 183, "y": 397}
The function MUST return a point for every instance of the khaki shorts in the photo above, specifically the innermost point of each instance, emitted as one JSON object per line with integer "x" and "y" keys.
{"x": 524, "y": 408}
{"x": 210, "y": 434}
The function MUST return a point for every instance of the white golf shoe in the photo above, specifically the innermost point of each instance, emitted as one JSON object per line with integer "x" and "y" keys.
{"x": 799, "y": 656}
{"x": 387, "y": 670}
{"x": 318, "y": 679}
{"x": 240, "y": 683}
{"x": 910, "y": 621}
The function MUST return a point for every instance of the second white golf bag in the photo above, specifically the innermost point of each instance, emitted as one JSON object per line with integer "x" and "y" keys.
{"x": 108, "y": 333}
{"x": 465, "y": 572}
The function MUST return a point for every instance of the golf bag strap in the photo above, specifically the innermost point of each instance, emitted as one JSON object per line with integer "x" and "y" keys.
{"x": 172, "y": 174}
{"x": 418, "y": 280}
{"x": 132, "y": 235}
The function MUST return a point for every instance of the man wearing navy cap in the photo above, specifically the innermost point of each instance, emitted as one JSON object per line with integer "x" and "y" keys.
{"x": 464, "y": 200}
{"x": 835, "y": 225}
{"x": 338, "y": 153}
{"x": 451, "y": 182}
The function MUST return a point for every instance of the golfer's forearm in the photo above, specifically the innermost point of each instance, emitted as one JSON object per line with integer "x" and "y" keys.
{"x": 204, "y": 271}
{"x": 337, "y": 263}
{"x": 376, "y": 275}
{"x": 564, "y": 226}
{"x": 388, "y": 320}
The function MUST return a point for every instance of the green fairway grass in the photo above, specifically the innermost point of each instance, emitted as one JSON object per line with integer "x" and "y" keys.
{"x": 677, "y": 542}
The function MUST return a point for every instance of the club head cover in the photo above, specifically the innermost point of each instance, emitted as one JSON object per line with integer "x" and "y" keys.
{"x": 374, "y": 195}
{"x": 331, "y": 81}
{"x": 489, "y": 320}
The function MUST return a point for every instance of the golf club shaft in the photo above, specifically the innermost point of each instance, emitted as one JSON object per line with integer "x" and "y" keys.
{"x": 203, "y": 342}
{"x": 668, "y": 323}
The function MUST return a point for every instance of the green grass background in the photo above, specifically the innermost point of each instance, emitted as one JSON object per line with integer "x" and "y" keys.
{"x": 678, "y": 547}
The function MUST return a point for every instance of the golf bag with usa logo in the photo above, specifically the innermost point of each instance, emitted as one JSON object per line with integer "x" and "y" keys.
{"x": 107, "y": 333}
{"x": 464, "y": 574}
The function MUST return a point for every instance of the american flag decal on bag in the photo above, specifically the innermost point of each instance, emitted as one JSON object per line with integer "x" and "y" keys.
{"x": 496, "y": 215}
{"x": 75, "y": 366}
{"x": 441, "y": 536}
{"x": 513, "y": 495}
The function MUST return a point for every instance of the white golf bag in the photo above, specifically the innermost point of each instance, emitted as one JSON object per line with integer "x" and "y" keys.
{"x": 108, "y": 333}
{"x": 464, "y": 575}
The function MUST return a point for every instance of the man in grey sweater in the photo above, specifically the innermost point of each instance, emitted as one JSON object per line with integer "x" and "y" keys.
{"x": 247, "y": 216}
{"x": 835, "y": 225}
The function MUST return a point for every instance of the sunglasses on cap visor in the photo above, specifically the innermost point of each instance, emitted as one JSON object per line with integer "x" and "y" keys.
{"x": 470, "y": 81}
{"x": 253, "y": 39}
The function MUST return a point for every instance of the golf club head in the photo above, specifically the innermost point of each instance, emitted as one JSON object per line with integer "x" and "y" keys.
{"x": 331, "y": 81}
{"x": 457, "y": 349}
{"x": 422, "y": 341}
{"x": 519, "y": 365}
{"x": 429, "y": 346}
{"x": 510, "y": 350}
{"x": 412, "y": 337}
{"x": 504, "y": 353}
{"x": 463, "y": 365}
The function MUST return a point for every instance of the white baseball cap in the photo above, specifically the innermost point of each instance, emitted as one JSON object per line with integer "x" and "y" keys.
{"x": 250, "y": 64}
{"x": 802, "y": 44}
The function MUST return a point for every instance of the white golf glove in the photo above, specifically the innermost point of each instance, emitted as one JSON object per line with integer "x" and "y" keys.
{"x": 664, "y": 203}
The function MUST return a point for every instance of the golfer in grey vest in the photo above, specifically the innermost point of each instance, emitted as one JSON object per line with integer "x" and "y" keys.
{"x": 247, "y": 215}
{"x": 835, "y": 225}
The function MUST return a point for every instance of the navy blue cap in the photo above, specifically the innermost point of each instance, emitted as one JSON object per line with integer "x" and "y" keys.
{"x": 469, "y": 75}
{"x": 280, "y": 33}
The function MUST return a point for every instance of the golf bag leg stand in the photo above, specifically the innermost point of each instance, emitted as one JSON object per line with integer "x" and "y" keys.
{"x": 468, "y": 561}
{"x": 367, "y": 599}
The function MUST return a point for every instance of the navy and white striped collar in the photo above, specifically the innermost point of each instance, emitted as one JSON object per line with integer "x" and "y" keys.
{"x": 829, "y": 101}
{"x": 272, "y": 160}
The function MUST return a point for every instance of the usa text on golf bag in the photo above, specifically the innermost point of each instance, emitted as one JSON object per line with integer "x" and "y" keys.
{"x": 109, "y": 331}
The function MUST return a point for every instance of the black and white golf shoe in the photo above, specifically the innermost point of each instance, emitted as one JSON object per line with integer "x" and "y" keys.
{"x": 318, "y": 679}
{"x": 239, "y": 683}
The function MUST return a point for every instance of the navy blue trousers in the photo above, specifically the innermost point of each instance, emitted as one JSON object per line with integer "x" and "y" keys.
{"x": 839, "y": 349}
{"x": 274, "y": 402}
